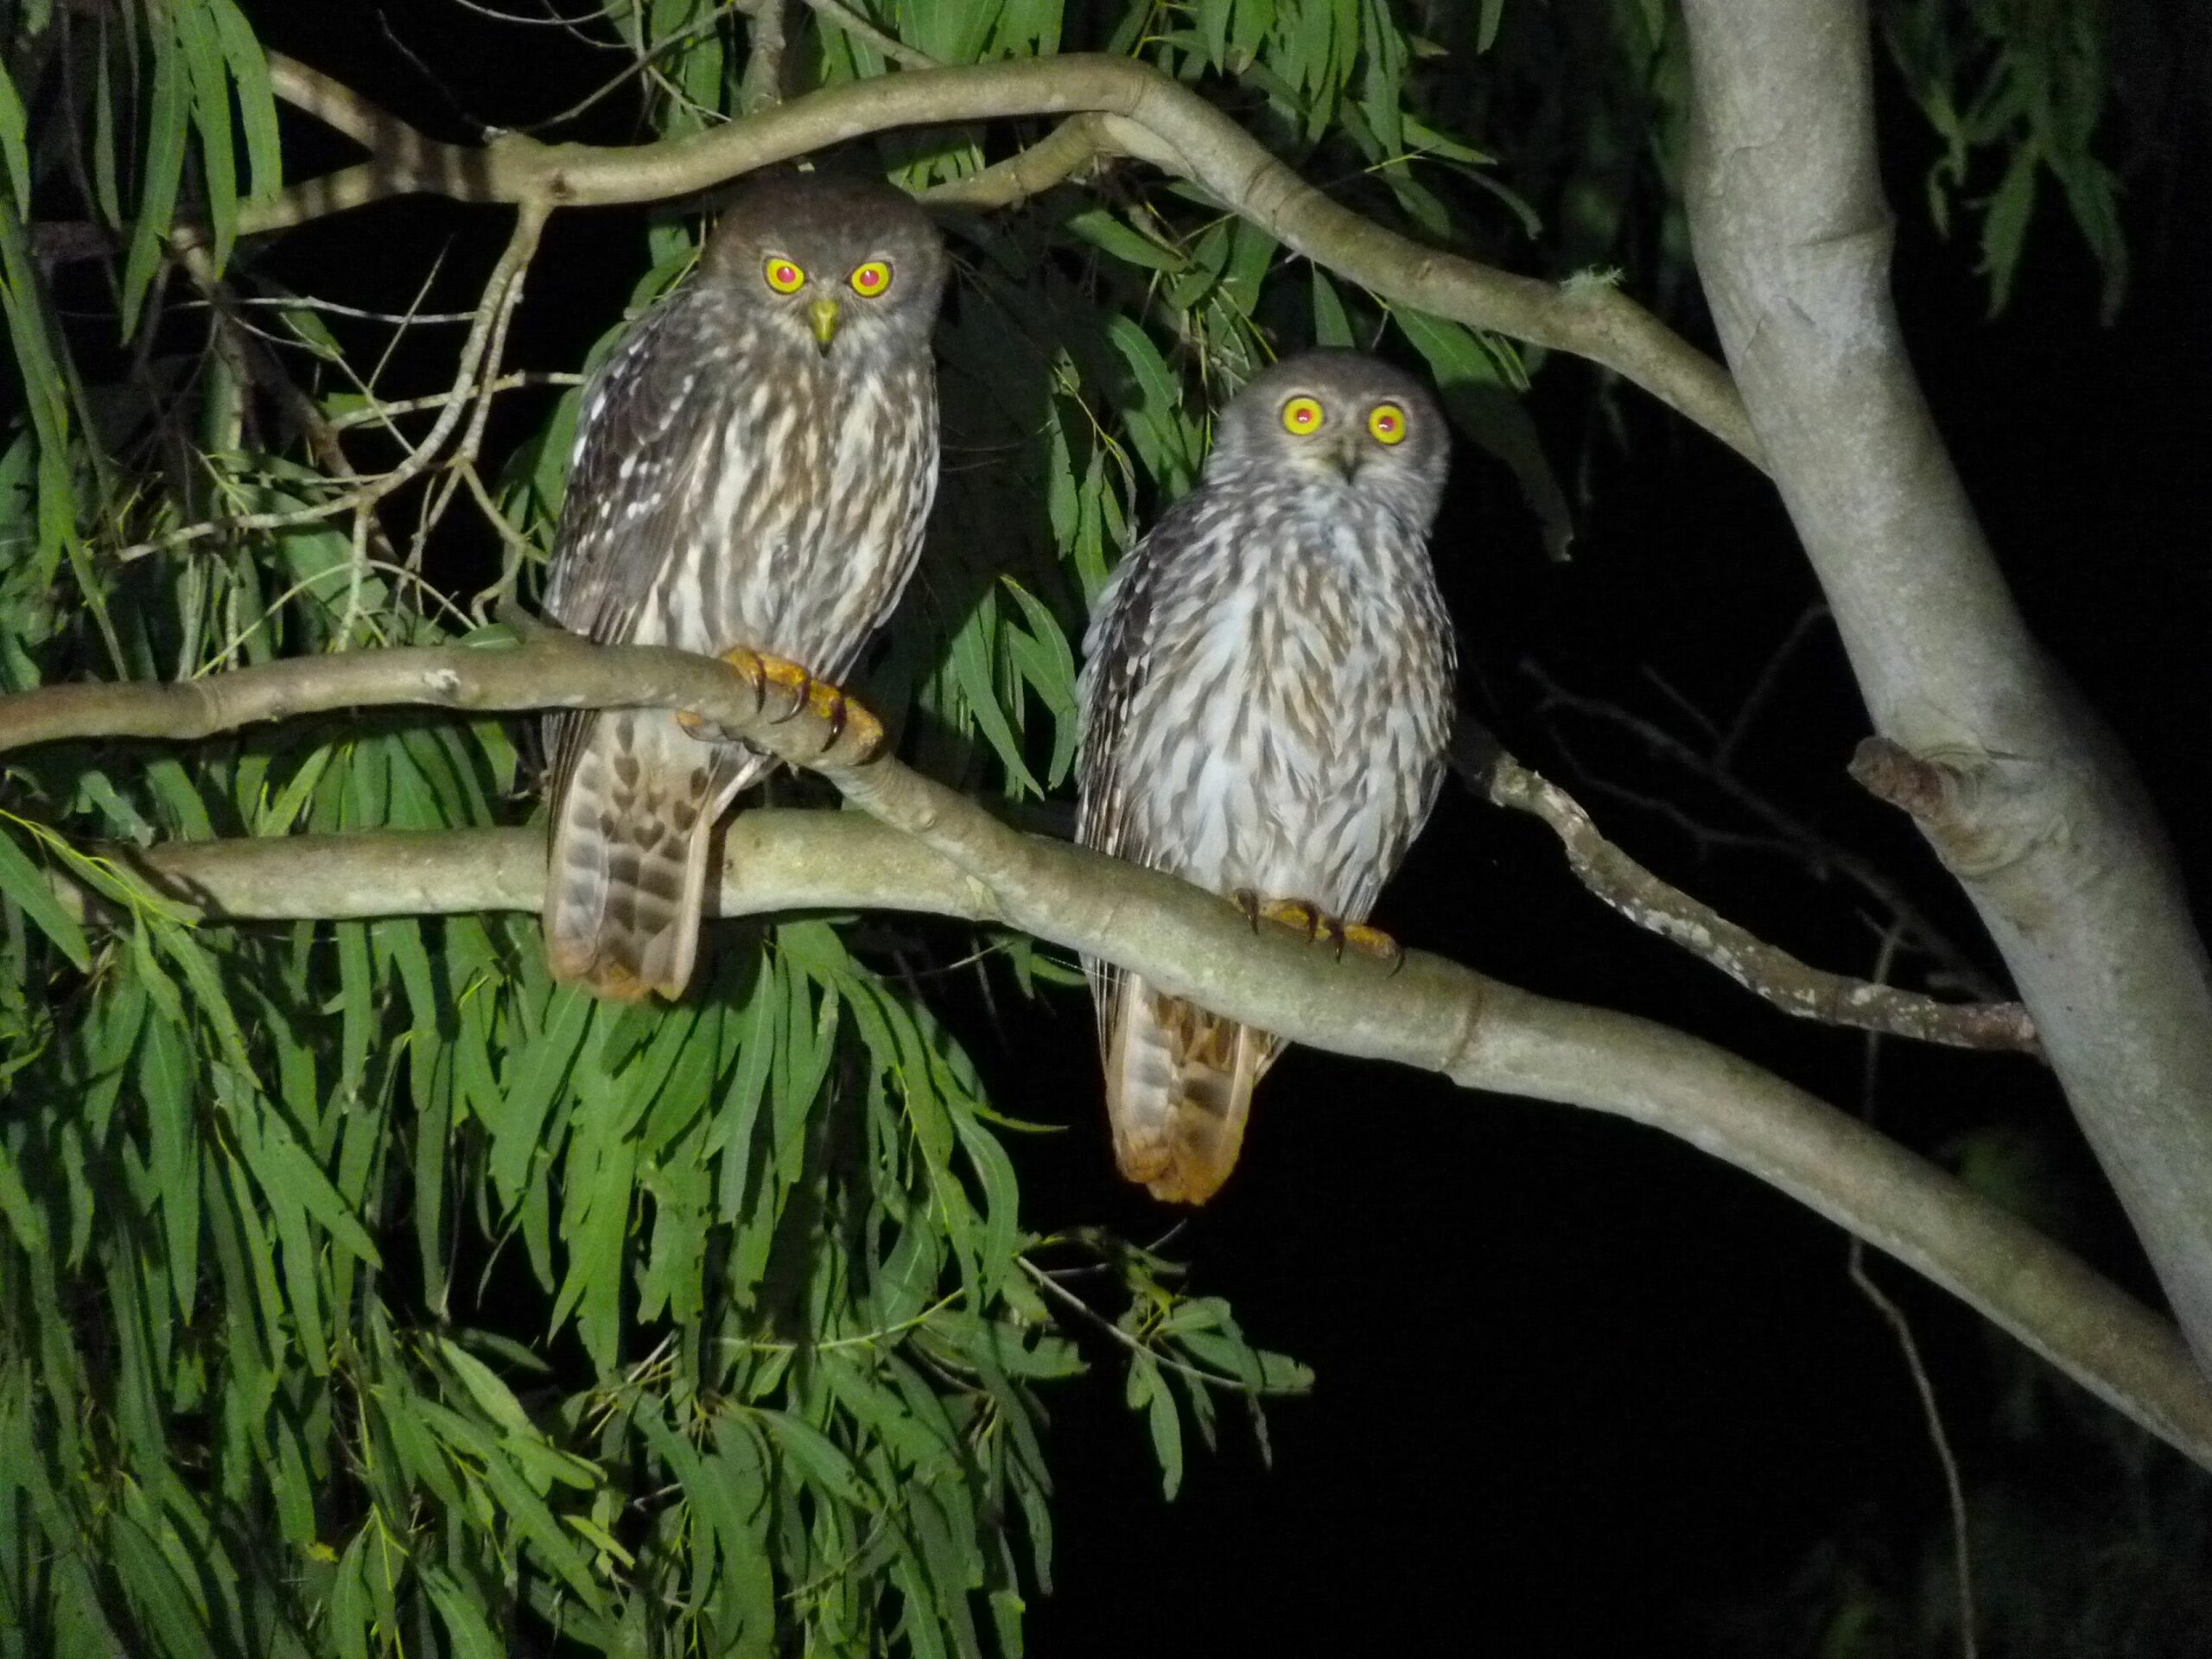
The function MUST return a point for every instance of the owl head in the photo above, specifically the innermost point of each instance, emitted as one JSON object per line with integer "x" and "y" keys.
{"x": 846, "y": 265}
{"x": 1346, "y": 421}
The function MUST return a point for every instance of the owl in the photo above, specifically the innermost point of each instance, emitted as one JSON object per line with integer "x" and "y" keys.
{"x": 1266, "y": 698}
{"x": 753, "y": 467}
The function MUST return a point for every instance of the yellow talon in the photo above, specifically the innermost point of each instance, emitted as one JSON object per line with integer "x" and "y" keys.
{"x": 845, "y": 718}
{"x": 1297, "y": 915}
{"x": 1302, "y": 916}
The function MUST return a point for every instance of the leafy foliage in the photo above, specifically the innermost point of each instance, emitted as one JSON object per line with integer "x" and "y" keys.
{"x": 360, "y": 1292}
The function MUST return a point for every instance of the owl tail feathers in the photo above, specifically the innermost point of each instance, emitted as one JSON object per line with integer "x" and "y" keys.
{"x": 1178, "y": 1089}
{"x": 626, "y": 877}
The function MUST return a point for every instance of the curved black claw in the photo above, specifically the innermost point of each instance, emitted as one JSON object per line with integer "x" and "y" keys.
{"x": 799, "y": 700}
{"x": 1247, "y": 901}
{"x": 836, "y": 718}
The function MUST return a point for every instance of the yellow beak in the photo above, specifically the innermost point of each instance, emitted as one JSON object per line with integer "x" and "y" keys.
{"x": 822, "y": 314}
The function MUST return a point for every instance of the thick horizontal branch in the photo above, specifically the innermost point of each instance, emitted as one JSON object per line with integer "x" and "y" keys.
{"x": 1432, "y": 1013}
{"x": 1764, "y": 969}
{"x": 557, "y": 671}
{"x": 1144, "y": 113}
{"x": 775, "y": 860}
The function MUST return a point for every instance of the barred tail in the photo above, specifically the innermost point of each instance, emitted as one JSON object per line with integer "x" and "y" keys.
{"x": 1178, "y": 1089}
{"x": 626, "y": 882}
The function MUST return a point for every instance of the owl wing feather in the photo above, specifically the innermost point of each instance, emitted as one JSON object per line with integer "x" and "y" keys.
{"x": 633, "y": 795}
{"x": 1179, "y": 1079}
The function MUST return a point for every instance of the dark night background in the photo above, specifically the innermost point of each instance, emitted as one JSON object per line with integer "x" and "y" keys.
{"x": 1581, "y": 1389}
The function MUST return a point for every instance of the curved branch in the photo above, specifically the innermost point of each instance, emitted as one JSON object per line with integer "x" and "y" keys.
{"x": 934, "y": 849}
{"x": 1150, "y": 115}
{"x": 1766, "y": 970}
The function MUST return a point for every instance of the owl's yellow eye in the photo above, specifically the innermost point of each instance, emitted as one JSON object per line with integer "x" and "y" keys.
{"x": 782, "y": 275}
{"x": 1301, "y": 416}
{"x": 1386, "y": 424}
{"x": 870, "y": 279}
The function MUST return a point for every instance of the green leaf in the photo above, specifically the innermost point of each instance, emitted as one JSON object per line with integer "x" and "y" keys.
{"x": 167, "y": 122}
{"x": 202, "y": 43}
{"x": 1482, "y": 407}
{"x": 971, "y": 669}
{"x": 484, "y": 1387}
{"x": 17, "y": 159}
{"x": 1109, "y": 234}
{"x": 257, "y": 101}
{"x": 23, "y": 884}
{"x": 538, "y": 1072}
{"x": 819, "y": 1456}
{"x": 1331, "y": 326}
{"x": 464, "y": 1621}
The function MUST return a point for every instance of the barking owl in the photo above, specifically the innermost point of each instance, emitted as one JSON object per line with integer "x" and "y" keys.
{"x": 1266, "y": 702}
{"x": 753, "y": 467}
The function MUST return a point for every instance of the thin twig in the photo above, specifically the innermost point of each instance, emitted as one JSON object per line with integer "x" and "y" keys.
{"x": 1060, "y": 1293}
{"x": 849, "y": 21}
{"x": 762, "y": 87}
{"x": 528, "y": 226}
{"x": 519, "y": 380}
{"x": 520, "y": 244}
{"x": 1766, "y": 970}
{"x": 1923, "y": 1385}
{"x": 1822, "y": 851}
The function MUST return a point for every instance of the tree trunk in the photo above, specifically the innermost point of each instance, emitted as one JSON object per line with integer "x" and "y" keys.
{"x": 2019, "y": 788}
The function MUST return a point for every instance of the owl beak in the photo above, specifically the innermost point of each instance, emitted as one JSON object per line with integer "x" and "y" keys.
{"x": 1346, "y": 457}
{"x": 822, "y": 317}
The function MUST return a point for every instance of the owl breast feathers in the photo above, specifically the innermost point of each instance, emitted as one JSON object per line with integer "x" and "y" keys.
{"x": 753, "y": 466}
{"x": 1266, "y": 702}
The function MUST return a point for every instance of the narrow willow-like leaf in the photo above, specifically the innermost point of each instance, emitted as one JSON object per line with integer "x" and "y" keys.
{"x": 24, "y": 884}
{"x": 538, "y": 1073}
{"x": 198, "y": 36}
{"x": 12, "y": 150}
{"x": 168, "y": 121}
{"x": 1485, "y": 408}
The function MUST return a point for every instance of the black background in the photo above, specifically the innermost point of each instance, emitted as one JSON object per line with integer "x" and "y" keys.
{"x": 1580, "y": 1388}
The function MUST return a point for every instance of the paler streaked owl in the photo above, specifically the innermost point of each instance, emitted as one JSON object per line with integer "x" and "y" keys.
{"x": 1267, "y": 698}
{"x": 753, "y": 467}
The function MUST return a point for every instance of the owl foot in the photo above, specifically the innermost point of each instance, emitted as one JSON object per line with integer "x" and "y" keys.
{"x": 844, "y": 717}
{"x": 1318, "y": 926}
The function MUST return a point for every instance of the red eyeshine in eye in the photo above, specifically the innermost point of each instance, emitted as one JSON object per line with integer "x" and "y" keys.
{"x": 785, "y": 274}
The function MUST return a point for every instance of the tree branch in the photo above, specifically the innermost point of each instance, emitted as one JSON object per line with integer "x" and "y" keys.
{"x": 2018, "y": 787}
{"x": 933, "y": 850}
{"x": 472, "y": 389}
{"x": 1764, "y": 969}
{"x": 1149, "y": 115}
{"x": 1820, "y": 852}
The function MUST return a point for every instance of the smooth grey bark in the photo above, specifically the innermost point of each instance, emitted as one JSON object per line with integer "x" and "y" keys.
{"x": 2023, "y": 793}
